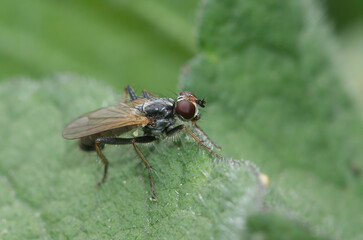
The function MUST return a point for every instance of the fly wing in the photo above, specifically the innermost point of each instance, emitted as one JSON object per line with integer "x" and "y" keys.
{"x": 104, "y": 119}
{"x": 136, "y": 102}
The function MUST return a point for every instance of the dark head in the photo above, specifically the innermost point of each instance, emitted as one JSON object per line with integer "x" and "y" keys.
{"x": 187, "y": 106}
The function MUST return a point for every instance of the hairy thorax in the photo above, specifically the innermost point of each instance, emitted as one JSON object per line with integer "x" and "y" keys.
{"x": 160, "y": 112}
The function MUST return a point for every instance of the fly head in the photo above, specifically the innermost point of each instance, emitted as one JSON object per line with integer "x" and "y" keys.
{"x": 187, "y": 106}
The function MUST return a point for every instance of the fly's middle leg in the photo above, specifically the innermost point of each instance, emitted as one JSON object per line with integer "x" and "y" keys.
{"x": 147, "y": 165}
{"x": 99, "y": 142}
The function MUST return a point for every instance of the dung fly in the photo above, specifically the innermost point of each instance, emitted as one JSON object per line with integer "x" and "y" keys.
{"x": 157, "y": 117}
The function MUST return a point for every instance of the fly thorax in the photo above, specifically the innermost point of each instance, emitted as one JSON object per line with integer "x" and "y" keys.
{"x": 158, "y": 108}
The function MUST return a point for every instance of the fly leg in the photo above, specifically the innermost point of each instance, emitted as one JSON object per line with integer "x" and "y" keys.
{"x": 122, "y": 141}
{"x": 147, "y": 94}
{"x": 206, "y": 136}
{"x": 180, "y": 127}
{"x": 98, "y": 144}
{"x": 131, "y": 92}
{"x": 147, "y": 165}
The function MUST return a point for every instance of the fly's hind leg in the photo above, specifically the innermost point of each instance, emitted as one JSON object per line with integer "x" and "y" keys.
{"x": 122, "y": 141}
{"x": 98, "y": 147}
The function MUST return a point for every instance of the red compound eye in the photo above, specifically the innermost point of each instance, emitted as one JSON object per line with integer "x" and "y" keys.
{"x": 185, "y": 109}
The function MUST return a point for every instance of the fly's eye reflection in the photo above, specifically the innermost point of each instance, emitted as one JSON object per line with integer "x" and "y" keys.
{"x": 156, "y": 117}
{"x": 186, "y": 109}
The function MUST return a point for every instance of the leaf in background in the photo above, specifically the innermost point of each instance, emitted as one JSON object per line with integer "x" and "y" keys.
{"x": 344, "y": 14}
{"x": 113, "y": 41}
{"x": 351, "y": 59}
{"x": 268, "y": 67}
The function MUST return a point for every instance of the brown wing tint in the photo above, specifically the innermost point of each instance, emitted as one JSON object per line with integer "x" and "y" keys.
{"x": 136, "y": 102}
{"x": 112, "y": 117}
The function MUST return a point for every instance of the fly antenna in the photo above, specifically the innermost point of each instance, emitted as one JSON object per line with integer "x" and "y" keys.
{"x": 201, "y": 102}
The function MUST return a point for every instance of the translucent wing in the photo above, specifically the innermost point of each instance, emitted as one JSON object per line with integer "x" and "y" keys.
{"x": 136, "y": 102}
{"x": 104, "y": 119}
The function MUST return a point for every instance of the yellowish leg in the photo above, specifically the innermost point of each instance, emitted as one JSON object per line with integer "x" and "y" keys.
{"x": 210, "y": 140}
{"x": 148, "y": 170}
{"x": 104, "y": 160}
{"x": 201, "y": 144}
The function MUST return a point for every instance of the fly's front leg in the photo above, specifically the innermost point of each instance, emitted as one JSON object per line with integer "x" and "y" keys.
{"x": 206, "y": 136}
{"x": 180, "y": 127}
{"x": 122, "y": 141}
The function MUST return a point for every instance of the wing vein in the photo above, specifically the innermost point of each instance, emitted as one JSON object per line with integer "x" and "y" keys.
{"x": 104, "y": 119}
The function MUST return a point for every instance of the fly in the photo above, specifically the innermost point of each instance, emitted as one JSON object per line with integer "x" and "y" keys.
{"x": 156, "y": 117}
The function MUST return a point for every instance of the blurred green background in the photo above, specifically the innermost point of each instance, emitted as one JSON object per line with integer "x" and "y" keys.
{"x": 143, "y": 43}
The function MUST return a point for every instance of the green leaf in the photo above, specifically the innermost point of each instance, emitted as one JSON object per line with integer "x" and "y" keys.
{"x": 113, "y": 41}
{"x": 273, "y": 226}
{"x": 48, "y": 184}
{"x": 269, "y": 69}
{"x": 346, "y": 14}
{"x": 274, "y": 96}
